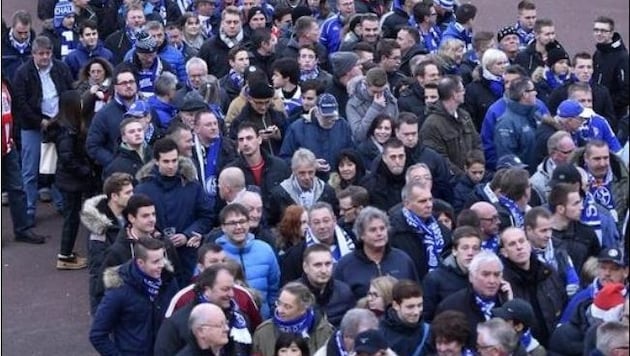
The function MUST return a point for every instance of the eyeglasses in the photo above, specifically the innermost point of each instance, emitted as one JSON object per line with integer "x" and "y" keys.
{"x": 491, "y": 219}
{"x": 372, "y": 294}
{"x": 601, "y": 30}
{"x": 530, "y": 90}
{"x": 127, "y": 82}
{"x": 345, "y": 210}
{"x": 235, "y": 223}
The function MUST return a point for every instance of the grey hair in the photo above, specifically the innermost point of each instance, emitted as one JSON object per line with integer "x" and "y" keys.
{"x": 518, "y": 88}
{"x": 41, "y": 42}
{"x": 414, "y": 167}
{"x": 500, "y": 333}
{"x": 554, "y": 140}
{"x": 481, "y": 258}
{"x": 366, "y": 215}
{"x": 196, "y": 61}
{"x": 165, "y": 83}
{"x": 304, "y": 295}
{"x": 321, "y": 205}
{"x": 153, "y": 25}
{"x": 356, "y": 318}
{"x": 611, "y": 335}
{"x": 405, "y": 193}
{"x": 303, "y": 157}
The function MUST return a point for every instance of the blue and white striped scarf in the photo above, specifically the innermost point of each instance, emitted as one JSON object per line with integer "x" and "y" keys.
{"x": 431, "y": 236}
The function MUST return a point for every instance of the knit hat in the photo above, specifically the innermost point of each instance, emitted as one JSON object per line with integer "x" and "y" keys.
{"x": 254, "y": 11}
{"x": 327, "y": 105}
{"x": 517, "y": 310}
{"x": 445, "y": 4}
{"x": 145, "y": 43}
{"x": 139, "y": 108}
{"x": 569, "y": 109}
{"x": 565, "y": 173}
{"x": 370, "y": 341}
{"x": 343, "y": 62}
{"x": 608, "y": 303}
{"x": 556, "y": 54}
{"x": 63, "y": 9}
{"x": 260, "y": 90}
{"x": 506, "y": 31}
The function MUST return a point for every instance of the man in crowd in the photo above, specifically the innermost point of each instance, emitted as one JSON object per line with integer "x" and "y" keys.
{"x": 488, "y": 224}
{"x": 351, "y": 200}
{"x": 215, "y": 50}
{"x": 344, "y": 66}
{"x": 354, "y": 322}
{"x": 386, "y": 182}
{"x": 209, "y": 328}
{"x": 17, "y": 42}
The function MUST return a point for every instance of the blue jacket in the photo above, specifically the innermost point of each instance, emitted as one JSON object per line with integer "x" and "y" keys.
{"x": 515, "y": 133}
{"x": 587, "y": 293}
{"x": 489, "y": 122}
{"x": 324, "y": 143}
{"x": 457, "y": 31}
{"x": 165, "y": 111}
{"x": 180, "y": 201}
{"x": 357, "y": 270}
{"x": 259, "y": 265}
{"x": 103, "y": 136}
{"x": 330, "y": 33}
{"x": 81, "y": 55}
{"x": 128, "y": 314}
{"x": 597, "y": 128}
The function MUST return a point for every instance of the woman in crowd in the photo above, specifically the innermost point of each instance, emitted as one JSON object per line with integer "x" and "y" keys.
{"x": 291, "y": 229}
{"x": 94, "y": 86}
{"x": 379, "y": 296}
{"x": 191, "y": 30}
{"x": 379, "y": 132}
{"x": 349, "y": 171}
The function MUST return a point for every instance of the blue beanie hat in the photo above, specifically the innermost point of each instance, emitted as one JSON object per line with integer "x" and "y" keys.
{"x": 62, "y": 9}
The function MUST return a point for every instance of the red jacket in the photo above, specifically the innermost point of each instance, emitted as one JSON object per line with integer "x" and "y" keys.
{"x": 7, "y": 120}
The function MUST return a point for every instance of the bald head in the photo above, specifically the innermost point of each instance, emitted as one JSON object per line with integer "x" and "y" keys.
{"x": 253, "y": 202}
{"x": 231, "y": 181}
{"x": 488, "y": 217}
{"x": 209, "y": 326}
{"x": 204, "y": 313}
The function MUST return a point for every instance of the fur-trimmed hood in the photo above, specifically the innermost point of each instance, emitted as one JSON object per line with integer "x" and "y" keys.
{"x": 94, "y": 219}
{"x": 186, "y": 169}
{"x": 114, "y": 277}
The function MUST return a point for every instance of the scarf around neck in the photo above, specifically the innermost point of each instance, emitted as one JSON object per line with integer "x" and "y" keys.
{"x": 238, "y": 325}
{"x": 590, "y": 215}
{"x": 485, "y": 305}
{"x": 491, "y": 244}
{"x": 556, "y": 81}
{"x": 20, "y": 46}
{"x": 601, "y": 190}
{"x": 431, "y": 236}
{"x": 230, "y": 42}
{"x": 309, "y": 74}
{"x": 298, "y": 326}
{"x": 342, "y": 246}
{"x": 237, "y": 78}
{"x": 151, "y": 285}
{"x": 339, "y": 343}
{"x": 518, "y": 217}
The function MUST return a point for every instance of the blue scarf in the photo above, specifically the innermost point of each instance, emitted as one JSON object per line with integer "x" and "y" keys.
{"x": 603, "y": 193}
{"x": 237, "y": 323}
{"x": 432, "y": 236}
{"x": 131, "y": 35}
{"x": 526, "y": 338}
{"x": 485, "y": 305}
{"x": 147, "y": 77}
{"x": 590, "y": 215}
{"x": 151, "y": 285}
{"x": 525, "y": 36}
{"x": 491, "y": 244}
{"x": 157, "y": 7}
{"x": 309, "y": 74}
{"x": 237, "y": 79}
{"x": 572, "y": 280}
{"x": 496, "y": 87}
{"x": 431, "y": 39}
{"x": 210, "y": 168}
{"x": 68, "y": 44}
{"x": 299, "y": 326}
{"x": 148, "y": 133}
{"x": 338, "y": 340}
{"x": 218, "y": 112}
{"x": 596, "y": 286}
{"x": 517, "y": 215}
{"x": 343, "y": 243}
{"x": 19, "y": 46}
{"x": 556, "y": 81}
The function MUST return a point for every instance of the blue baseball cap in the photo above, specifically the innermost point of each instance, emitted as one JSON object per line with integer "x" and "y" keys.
{"x": 569, "y": 108}
{"x": 327, "y": 105}
{"x": 139, "y": 108}
{"x": 510, "y": 161}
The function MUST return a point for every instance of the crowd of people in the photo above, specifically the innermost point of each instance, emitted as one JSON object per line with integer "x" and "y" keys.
{"x": 303, "y": 177}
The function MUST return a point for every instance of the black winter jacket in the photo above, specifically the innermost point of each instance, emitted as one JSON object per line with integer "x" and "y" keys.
{"x": 412, "y": 100}
{"x": 580, "y": 242}
{"x": 27, "y": 91}
{"x": 403, "y": 237}
{"x": 530, "y": 59}
{"x": 568, "y": 338}
{"x": 610, "y": 68}
{"x": 260, "y": 122}
{"x": 340, "y": 92}
{"x": 281, "y": 199}
{"x": 384, "y": 187}
{"x": 119, "y": 44}
{"x": 127, "y": 161}
{"x": 404, "y": 338}
{"x": 333, "y": 301}
{"x": 478, "y": 99}
{"x": 12, "y": 59}
{"x": 542, "y": 288}
{"x": 215, "y": 52}
{"x": 440, "y": 283}
{"x": 74, "y": 172}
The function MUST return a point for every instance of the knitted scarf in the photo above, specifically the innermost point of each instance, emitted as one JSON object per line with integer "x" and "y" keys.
{"x": 156, "y": 6}
{"x": 236, "y": 78}
{"x": 572, "y": 280}
{"x": 555, "y": 81}
{"x": 603, "y": 193}
{"x": 495, "y": 82}
{"x": 147, "y": 77}
{"x": 546, "y": 255}
{"x": 431, "y": 234}
{"x": 299, "y": 326}
{"x": 19, "y": 46}
{"x": 206, "y": 25}
{"x": 485, "y": 305}
{"x": 516, "y": 213}
{"x": 342, "y": 246}
{"x": 238, "y": 325}
{"x": 590, "y": 215}
{"x": 210, "y": 168}
{"x": 68, "y": 44}
{"x": 339, "y": 342}
{"x": 151, "y": 285}
{"x": 309, "y": 74}
{"x": 230, "y": 42}
{"x": 525, "y": 36}
{"x": 148, "y": 132}
{"x": 528, "y": 341}
{"x": 131, "y": 35}
{"x": 491, "y": 244}
{"x": 431, "y": 39}
{"x": 596, "y": 287}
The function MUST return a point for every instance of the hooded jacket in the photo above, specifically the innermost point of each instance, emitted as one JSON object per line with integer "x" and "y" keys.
{"x": 515, "y": 132}
{"x": 128, "y": 161}
{"x": 260, "y": 267}
{"x": 440, "y": 283}
{"x": 334, "y": 300}
{"x": 165, "y": 111}
{"x": 403, "y": 337}
{"x": 403, "y": 237}
{"x": 610, "y": 68}
{"x": 361, "y": 109}
{"x": 449, "y": 136}
{"x": 128, "y": 314}
{"x": 285, "y": 194}
{"x": 74, "y": 172}
{"x": 357, "y": 270}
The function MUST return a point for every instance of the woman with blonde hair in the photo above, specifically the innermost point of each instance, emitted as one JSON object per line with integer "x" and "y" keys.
{"x": 379, "y": 296}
